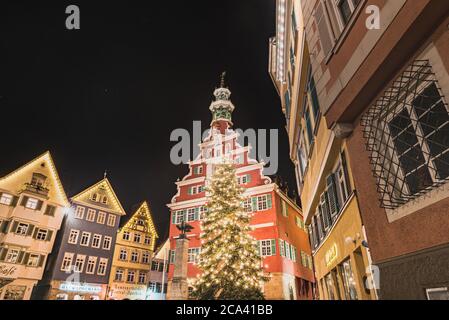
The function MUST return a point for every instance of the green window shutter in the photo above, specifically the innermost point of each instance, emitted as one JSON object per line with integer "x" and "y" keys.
{"x": 26, "y": 258}
{"x": 273, "y": 247}
{"x": 24, "y": 201}
{"x": 254, "y": 203}
{"x": 197, "y": 213}
{"x": 39, "y": 205}
{"x": 41, "y": 261}
{"x": 189, "y": 191}
{"x": 184, "y": 215}
{"x": 248, "y": 178}
{"x": 282, "y": 248}
{"x": 14, "y": 201}
{"x": 35, "y": 233}
{"x": 259, "y": 247}
{"x": 3, "y": 253}
{"x": 332, "y": 195}
{"x": 269, "y": 201}
{"x": 20, "y": 257}
{"x": 14, "y": 226}
{"x": 173, "y": 217}
{"x": 49, "y": 235}
{"x": 30, "y": 230}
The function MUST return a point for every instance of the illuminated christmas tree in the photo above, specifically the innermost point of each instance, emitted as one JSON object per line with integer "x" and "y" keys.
{"x": 229, "y": 256}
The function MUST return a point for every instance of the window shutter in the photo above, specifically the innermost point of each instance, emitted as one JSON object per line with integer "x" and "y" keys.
{"x": 189, "y": 191}
{"x": 39, "y": 205}
{"x": 35, "y": 233}
{"x": 323, "y": 29}
{"x": 248, "y": 178}
{"x": 20, "y": 257}
{"x": 26, "y": 258}
{"x": 184, "y": 215}
{"x": 273, "y": 247}
{"x": 269, "y": 201}
{"x": 197, "y": 213}
{"x": 24, "y": 201}
{"x": 41, "y": 261}
{"x": 50, "y": 210}
{"x": 346, "y": 173}
{"x": 254, "y": 203}
{"x": 281, "y": 248}
{"x": 173, "y": 217}
{"x": 332, "y": 195}
{"x": 14, "y": 201}
{"x": 4, "y": 227}
{"x": 3, "y": 253}
{"x": 14, "y": 226}
{"x": 49, "y": 235}
{"x": 30, "y": 230}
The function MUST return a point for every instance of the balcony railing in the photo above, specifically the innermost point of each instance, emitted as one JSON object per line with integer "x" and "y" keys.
{"x": 37, "y": 189}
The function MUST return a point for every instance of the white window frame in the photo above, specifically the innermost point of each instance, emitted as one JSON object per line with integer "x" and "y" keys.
{"x": 91, "y": 265}
{"x": 131, "y": 273}
{"x": 262, "y": 202}
{"x": 147, "y": 239}
{"x": 193, "y": 255}
{"x": 41, "y": 234}
{"x": 12, "y": 255}
{"x": 123, "y": 254}
{"x": 339, "y": 15}
{"x": 75, "y": 233}
{"x": 126, "y": 235}
{"x": 248, "y": 205}
{"x": 137, "y": 237}
{"x": 96, "y": 237}
{"x": 88, "y": 235}
{"x": 142, "y": 278}
{"x": 101, "y": 217}
{"x": 32, "y": 203}
{"x": 102, "y": 264}
{"x": 66, "y": 264}
{"x": 33, "y": 260}
{"x": 79, "y": 212}
{"x": 266, "y": 249}
{"x": 23, "y": 227}
{"x": 145, "y": 257}
{"x": 6, "y": 199}
{"x": 90, "y": 216}
{"x": 112, "y": 218}
{"x": 119, "y": 273}
{"x": 190, "y": 214}
{"x": 80, "y": 260}
{"x": 107, "y": 240}
{"x": 134, "y": 256}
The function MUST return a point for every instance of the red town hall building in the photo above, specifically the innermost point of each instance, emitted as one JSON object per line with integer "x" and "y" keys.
{"x": 277, "y": 221}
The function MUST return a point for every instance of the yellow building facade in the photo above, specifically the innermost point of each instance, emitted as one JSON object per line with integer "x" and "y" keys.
{"x": 329, "y": 201}
{"x": 133, "y": 254}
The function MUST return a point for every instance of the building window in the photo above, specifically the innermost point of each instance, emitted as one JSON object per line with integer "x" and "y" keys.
{"x": 146, "y": 257}
{"x": 101, "y": 217}
{"x": 247, "y": 206}
{"x": 147, "y": 240}
{"x": 22, "y": 229}
{"x": 73, "y": 236}
{"x": 91, "y": 263}
{"x": 345, "y": 9}
{"x": 142, "y": 277}
{"x": 67, "y": 262}
{"x": 50, "y": 211}
{"x": 90, "y": 215}
{"x": 107, "y": 241}
{"x": 407, "y": 132}
{"x": 123, "y": 254}
{"x": 152, "y": 287}
{"x": 262, "y": 203}
{"x": 102, "y": 266}
{"x": 172, "y": 256}
{"x": 125, "y": 235}
{"x": 349, "y": 283}
{"x": 41, "y": 234}
{"x": 104, "y": 200}
{"x": 131, "y": 276}
{"x": 79, "y": 263}
{"x": 96, "y": 240}
{"x": 267, "y": 247}
{"x": 437, "y": 293}
{"x": 154, "y": 266}
{"x": 32, "y": 203}
{"x": 12, "y": 256}
{"x": 284, "y": 208}
{"x": 118, "y": 275}
{"x": 134, "y": 256}
{"x": 137, "y": 237}
{"x": 193, "y": 255}
{"x": 111, "y": 220}
{"x": 94, "y": 197}
{"x": 33, "y": 260}
{"x": 79, "y": 212}
{"x": 6, "y": 199}
{"x": 85, "y": 239}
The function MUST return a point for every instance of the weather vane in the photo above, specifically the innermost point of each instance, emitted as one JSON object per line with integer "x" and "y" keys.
{"x": 223, "y": 75}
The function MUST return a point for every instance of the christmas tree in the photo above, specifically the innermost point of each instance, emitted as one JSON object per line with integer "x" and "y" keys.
{"x": 229, "y": 259}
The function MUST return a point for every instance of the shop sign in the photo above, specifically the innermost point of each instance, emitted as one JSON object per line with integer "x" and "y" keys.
{"x": 7, "y": 271}
{"x": 128, "y": 292}
{"x": 331, "y": 255}
{"x": 79, "y": 287}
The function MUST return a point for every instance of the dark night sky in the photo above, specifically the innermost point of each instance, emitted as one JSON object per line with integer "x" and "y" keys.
{"x": 108, "y": 96}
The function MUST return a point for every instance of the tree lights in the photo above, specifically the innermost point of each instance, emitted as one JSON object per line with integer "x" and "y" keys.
{"x": 229, "y": 258}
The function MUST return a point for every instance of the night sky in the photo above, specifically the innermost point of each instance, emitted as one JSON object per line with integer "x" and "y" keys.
{"x": 107, "y": 97}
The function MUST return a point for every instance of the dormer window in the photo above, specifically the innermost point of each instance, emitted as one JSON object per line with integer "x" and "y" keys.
{"x": 104, "y": 200}
{"x": 38, "y": 180}
{"x": 94, "y": 197}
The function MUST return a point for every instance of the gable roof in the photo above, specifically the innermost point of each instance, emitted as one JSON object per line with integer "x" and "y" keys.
{"x": 42, "y": 164}
{"x": 102, "y": 186}
{"x": 142, "y": 209}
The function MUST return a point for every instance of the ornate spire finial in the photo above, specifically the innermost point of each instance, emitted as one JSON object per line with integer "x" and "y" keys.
{"x": 105, "y": 174}
{"x": 222, "y": 82}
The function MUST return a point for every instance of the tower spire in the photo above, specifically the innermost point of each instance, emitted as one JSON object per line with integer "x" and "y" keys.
{"x": 222, "y": 81}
